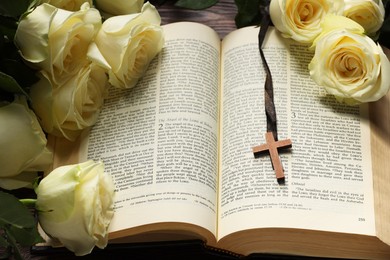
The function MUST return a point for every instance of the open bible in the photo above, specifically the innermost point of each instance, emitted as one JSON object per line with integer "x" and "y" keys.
{"x": 179, "y": 148}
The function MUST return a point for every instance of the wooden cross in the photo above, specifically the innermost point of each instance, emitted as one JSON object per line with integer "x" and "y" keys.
{"x": 271, "y": 146}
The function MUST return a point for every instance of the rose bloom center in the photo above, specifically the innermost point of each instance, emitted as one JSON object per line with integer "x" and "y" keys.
{"x": 349, "y": 66}
{"x": 305, "y": 12}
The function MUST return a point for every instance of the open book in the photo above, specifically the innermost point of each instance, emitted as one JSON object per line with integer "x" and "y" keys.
{"x": 179, "y": 147}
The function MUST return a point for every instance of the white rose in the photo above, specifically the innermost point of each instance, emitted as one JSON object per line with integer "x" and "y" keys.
{"x": 368, "y": 13}
{"x": 70, "y": 5}
{"x": 23, "y": 145}
{"x": 75, "y": 205}
{"x": 68, "y": 109}
{"x": 334, "y": 22}
{"x": 129, "y": 43}
{"x": 119, "y": 7}
{"x": 348, "y": 64}
{"x": 60, "y": 40}
{"x": 301, "y": 19}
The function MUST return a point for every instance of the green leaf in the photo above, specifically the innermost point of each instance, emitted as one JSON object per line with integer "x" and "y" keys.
{"x": 26, "y": 236}
{"x": 9, "y": 84}
{"x": 13, "y": 8}
{"x": 248, "y": 12}
{"x": 14, "y": 212}
{"x": 196, "y": 4}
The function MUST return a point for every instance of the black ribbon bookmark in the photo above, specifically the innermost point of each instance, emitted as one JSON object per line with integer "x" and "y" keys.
{"x": 270, "y": 110}
{"x": 272, "y": 144}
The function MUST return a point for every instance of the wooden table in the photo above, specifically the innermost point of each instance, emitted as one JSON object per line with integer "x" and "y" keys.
{"x": 220, "y": 17}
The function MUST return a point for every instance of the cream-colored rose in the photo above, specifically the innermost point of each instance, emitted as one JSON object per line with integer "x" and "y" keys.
{"x": 68, "y": 109}
{"x": 348, "y": 64}
{"x": 60, "y": 40}
{"x": 129, "y": 43}
{"x": 70, "y": 5}
{"x": 75, "y": 205}
{"x": 23, "y": 145}
{"x": 368, "y": 13}
{"x": 333, "y": 22}
{"x": 119, "y": 7}
{"x": 301, "y": 19}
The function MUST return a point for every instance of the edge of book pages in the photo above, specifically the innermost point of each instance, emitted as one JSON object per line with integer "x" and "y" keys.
{"x": 380, "y": 153}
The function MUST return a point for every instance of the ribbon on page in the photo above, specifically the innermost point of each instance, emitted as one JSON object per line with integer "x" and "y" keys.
{"x": 272, "y": 144}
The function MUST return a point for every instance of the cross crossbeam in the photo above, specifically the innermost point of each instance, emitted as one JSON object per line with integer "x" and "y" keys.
{"x": 271, "y": 146}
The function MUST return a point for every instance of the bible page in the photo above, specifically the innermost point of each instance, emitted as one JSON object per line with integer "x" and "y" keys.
{"x": 328, "y": 169}
{"x": 159, "y": 139}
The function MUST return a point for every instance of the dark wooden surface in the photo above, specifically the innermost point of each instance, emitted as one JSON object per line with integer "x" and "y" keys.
{"x": 220, "y": 16}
